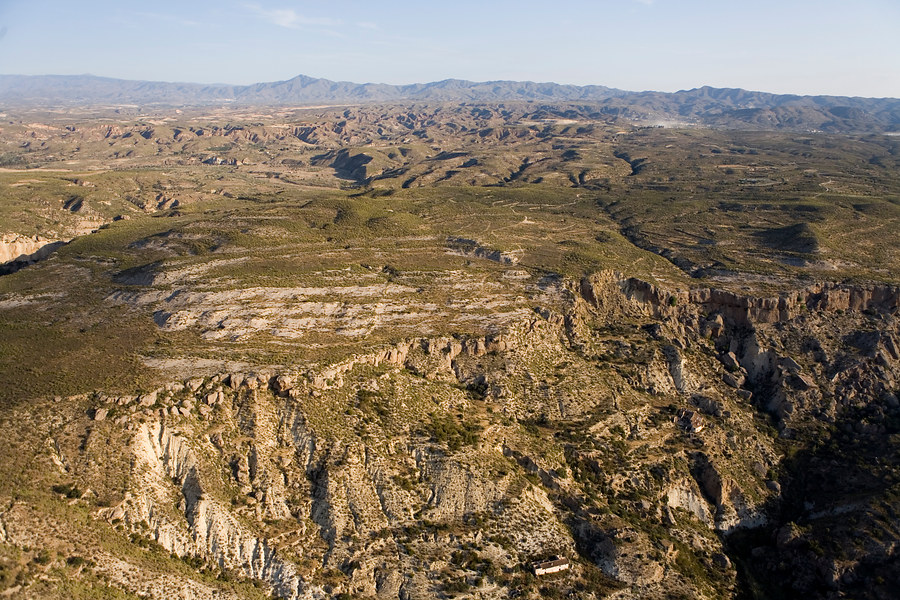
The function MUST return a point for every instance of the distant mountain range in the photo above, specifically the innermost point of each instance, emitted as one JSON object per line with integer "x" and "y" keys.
{"x": 716, "y": 107}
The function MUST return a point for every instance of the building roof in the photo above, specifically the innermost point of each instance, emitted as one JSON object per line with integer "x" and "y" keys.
{"x": 690, "y": 420}
{"x": 556, "y": 561}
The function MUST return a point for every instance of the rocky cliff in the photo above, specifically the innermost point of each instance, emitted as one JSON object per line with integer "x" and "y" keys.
{"x": 441, "y": 466}
{"x": 17, "y": 251}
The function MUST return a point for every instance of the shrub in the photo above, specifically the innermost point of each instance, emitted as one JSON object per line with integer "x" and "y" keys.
{"x": 69, "y": 490}
{"x": 76, "y": 561}
{"x": 447, "y": 430}
{"x": 456, "y": 587}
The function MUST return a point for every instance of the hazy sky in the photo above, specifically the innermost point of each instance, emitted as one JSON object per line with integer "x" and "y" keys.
{"x": 843, "y": 47}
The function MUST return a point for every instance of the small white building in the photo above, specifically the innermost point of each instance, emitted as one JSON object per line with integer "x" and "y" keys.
{"x": 554, "y": 565}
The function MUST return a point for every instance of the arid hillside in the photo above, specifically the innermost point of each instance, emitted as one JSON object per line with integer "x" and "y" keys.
{"x": 406, "y": 350}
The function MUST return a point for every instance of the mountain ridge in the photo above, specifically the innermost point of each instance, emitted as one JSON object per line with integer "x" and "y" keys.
{"x": 704, "y": 106}
{"x": 53, "y": 88}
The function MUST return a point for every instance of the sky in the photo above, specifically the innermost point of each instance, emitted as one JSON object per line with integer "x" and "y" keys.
{"x": 836, "y": 47}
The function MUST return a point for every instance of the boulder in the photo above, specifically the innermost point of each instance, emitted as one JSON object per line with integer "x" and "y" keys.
{"x": 787, "y": 534}
{"x": 891, "y": 400}
{"x": 721, "y": 560}
{"x": 282, "y": 384}
{"x": 729, "y": 359}
{"x": 790, "y": 364}
{"x": 708, "y": 403}
{"x": 235, "y": 380}
{"x": 713, "y": 327}
{"x": 801, "y": 382}
{"x": 735, "y": 381}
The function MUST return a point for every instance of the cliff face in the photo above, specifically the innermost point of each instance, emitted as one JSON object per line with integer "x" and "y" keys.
{"x": 165, "y": 462}
{"x": 339, "y": 496}
{"x": 749, "y": 311}
{"x": 439, "y": 460}
{"x": 18, "y": 251}
{"x": 823, "y": 363}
